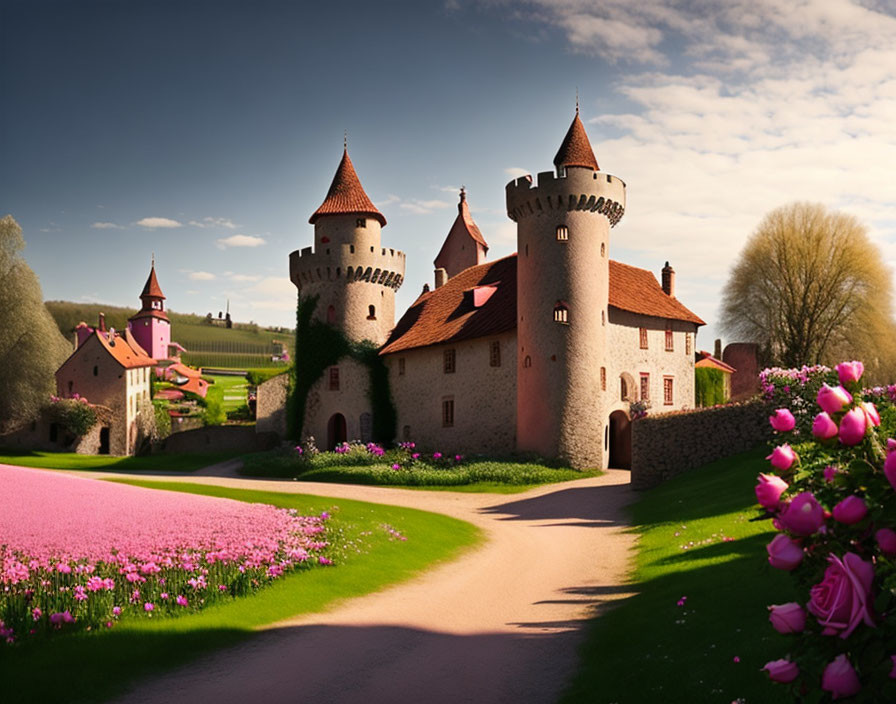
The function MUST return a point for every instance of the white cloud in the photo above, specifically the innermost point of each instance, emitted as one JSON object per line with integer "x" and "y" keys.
{"x": 241, "y": 241}
{"x": 201, "y": 276}
{"x": 244, "y": 277}
{"x": 390, "y": 199}
{"x": 424, "y": 207}
{"x": 107, "y": 226}
{"x": 159, "y": 222}
{"x": 214, "y": 222}
{"x": 516, "y": 171}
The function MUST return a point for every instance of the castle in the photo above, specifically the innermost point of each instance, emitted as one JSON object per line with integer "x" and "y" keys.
{"x": 545, "y": 350}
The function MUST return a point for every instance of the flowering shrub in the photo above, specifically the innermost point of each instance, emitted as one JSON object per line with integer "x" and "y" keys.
{"x": 638, "y": 409}
{"x": 74, "y": 414}
{"x": 112, "y": 551}
{"x": 832, "y": 496}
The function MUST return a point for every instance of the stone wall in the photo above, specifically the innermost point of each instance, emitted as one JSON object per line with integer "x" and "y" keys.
{"x": 744, "y": 357}
{"x": 217, "y": 438}
{"x": 664, "y": 446}
{"x": 270, "y": 407}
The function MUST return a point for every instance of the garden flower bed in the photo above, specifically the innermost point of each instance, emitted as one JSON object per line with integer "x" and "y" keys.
{"x": 81, "y": 554}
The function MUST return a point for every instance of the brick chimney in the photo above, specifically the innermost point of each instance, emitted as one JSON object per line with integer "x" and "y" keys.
{"x": 717, "y": 349}
{"x": 669, "y": 280}
{"x": 441, "y": 277}
{"x": 101, "y": 325}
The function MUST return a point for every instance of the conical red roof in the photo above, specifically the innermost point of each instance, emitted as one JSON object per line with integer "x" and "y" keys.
{"x": 152, "y": 288}
{"x": 346, "y": 195}
{"x": 576, "y": 149}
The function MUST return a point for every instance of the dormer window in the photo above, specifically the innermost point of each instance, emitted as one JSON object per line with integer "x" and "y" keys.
{"x": 361, "y": 222}
{"x": 562, "y": 233}
{"x": 561, "y": 313}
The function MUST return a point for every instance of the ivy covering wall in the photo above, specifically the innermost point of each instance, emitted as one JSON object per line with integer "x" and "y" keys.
{"x": 709, "y": 386}
{"x": 319, "y": 346}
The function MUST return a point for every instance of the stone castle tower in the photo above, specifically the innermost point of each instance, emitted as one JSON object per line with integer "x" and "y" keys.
{"x": 353, "y": 275}
{"x": 150, "y": 325}
{"x": 563, "y": 228}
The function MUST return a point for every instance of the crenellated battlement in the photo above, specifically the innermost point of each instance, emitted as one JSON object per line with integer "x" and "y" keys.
{"x": 576, "y": 189}
{"x": 382, "y": 266}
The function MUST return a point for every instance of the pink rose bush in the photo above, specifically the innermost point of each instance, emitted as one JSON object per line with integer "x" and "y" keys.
{"x": 830, "y": 491}
{"x": 111, "y": 551}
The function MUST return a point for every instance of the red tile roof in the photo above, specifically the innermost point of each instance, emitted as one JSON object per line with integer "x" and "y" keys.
{"x": 465, "y": 226}
{"x": 149, "y": 313}
{"x": 637, "y": 291}
{"x": 449, "y": 314}
{"x": 346, "y": 195}
{"x": 152, "y": 288}
{"x": 123, "y": 353}
{"x": 705, "y": 359}
{"x": 576, "y": 149}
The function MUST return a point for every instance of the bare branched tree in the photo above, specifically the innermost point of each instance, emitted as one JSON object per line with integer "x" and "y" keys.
{"x": 810, "y": 287}
{"x": 31, "y": 346}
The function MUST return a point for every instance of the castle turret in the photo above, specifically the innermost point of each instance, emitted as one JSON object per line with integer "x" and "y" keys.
{"x": 150, "y": 325}
{"x": 354, "y": 277}
{"x": 563, "y": 225}
{"x": 464, "y": 246}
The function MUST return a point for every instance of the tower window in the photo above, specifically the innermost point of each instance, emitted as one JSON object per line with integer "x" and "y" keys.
{"x": 645, "y": 386}
{"x": 623, "y": 389}
{"x": 351, "y": 248}
{"x": 494, "y": 353}
{"x": 561, "y": 313}
{"x": 96, "y": 370}
{"x": 603, "y": 378}
{"x": 687, "y": 344}
{"x": 527, "y": 362}
{"x": 669, "y": 338}
{"x": 401, "y": 366}
{"x": 643, "y": 334}
{"x": 667, "y": 390}
{"x": 449, "y": 361}
{"x": 448, "y": 413}
{"x": 334, "y": 379}
{"x": 603, "y": 317}
{"x": 361, "y": 222}
{"x": 371, "y": 312}
{"x": 603, "y": 249}
{"x": 562, "y": 233}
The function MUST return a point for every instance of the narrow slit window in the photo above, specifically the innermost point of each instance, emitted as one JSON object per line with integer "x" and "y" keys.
{"x": 448, "y": 413}
{"x": 527, "y": 362}
{"x": 334, "y": 379}
{"x": 643, "y": 338}
{"x": 562, "y": 233}
{"x": 670, "y": 345}
{"x": 494, "y": 356}
{"x": 449, "y": 361}
{"x": 371, "y": 312}
{"x": 603, "y": 378}
{"x": 687, "y": 344}
{"x": 645, "y": 386}
{"x": 561, "y": 313}
{"x": 401, "y": 366}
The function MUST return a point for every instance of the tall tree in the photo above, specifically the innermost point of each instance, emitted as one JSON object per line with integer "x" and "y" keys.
{"x": 810, "y": 287}
{"x": 31, "y": 346}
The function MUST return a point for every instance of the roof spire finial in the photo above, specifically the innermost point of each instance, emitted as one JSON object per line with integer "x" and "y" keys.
{"x": 463, "y": 193}
{"x": 153, "y": 260}
{"x": 345, "y": 141}
{"x": 577, "y": 100}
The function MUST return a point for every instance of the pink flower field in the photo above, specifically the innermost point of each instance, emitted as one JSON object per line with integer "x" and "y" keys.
{"x": 78, "y": 552}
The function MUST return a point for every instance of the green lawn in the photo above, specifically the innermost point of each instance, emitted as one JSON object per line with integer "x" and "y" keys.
{"x": 649, "y": 649}
{"x": 91, "y": 667}
{"x": 71, "y": 460}
{"x": 232, "y": 391}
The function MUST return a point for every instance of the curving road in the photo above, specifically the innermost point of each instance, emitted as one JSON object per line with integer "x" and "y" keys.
{"x": 500, "y": 624}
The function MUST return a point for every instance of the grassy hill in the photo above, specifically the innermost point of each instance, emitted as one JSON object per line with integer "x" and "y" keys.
{"x": 243, "y": 346}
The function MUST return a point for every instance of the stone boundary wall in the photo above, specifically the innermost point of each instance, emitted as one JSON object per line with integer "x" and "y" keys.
{"x": 219, "y": 438}
{"x": 664, "y": 446}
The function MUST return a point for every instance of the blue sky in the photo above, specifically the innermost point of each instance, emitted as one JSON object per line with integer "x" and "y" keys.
{"x": 208, "y": 132}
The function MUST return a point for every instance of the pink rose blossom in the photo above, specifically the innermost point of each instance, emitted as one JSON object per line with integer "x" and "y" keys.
{"x": 803, "y": 515}
{"x": 871, "y": 414}
{"x": 823, "y": 427}
{"x": 149, "y": 606}
{"x": 853, "y": 426}
{"x": 784, "y": 553}
{"x": 833, "y": 399}
{"x": 829, "y": 473}
{"x": 891, "y": 445}
{"x": 850, "y": 372}
{"x": 181, "y": 600}
{"x": 851, "y": 510}
{"x": 116, "y": 611}
{"x": 782, "y": 457}
{"x": 769, "y": 490}
{"x": 840, "y": 678}
{"x": 783, "y": 420}
{"x": 787, "y": 618}
{"x": 886, "y": 540}
{"x": 841, "y": 601}
{"x": 782, "y": 671}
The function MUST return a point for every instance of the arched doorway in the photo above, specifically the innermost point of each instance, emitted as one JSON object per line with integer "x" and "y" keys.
{"x": 620, "y": 440}
{"x": 104, "y": 441}
{"x": 336, "y": 434}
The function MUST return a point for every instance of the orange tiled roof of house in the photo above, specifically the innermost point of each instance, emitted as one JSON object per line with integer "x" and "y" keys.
{"x": 637, "y": 291}
{"x": 576, "y": 148}
{"x": 448, "y": 314}
{"x": 152, "y": 287}
{"x": 346, "y": 195}
{"x": 119, "y": 349}
{"x": 705, "y": 359}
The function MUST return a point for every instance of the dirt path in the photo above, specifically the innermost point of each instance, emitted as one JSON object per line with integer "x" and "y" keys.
{"x": 500, "y": 624}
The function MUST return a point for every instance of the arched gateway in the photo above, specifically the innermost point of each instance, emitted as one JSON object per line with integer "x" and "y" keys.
{"x": 620, "y": 440}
